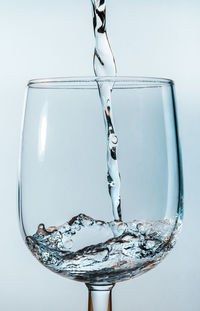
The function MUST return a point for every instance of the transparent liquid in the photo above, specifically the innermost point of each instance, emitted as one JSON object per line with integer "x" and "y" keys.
{"x": 104, "y": 65}
{"x": 91, "y": 250}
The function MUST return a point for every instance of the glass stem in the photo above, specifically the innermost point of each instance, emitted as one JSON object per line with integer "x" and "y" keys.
{"x": 99, "y": 298}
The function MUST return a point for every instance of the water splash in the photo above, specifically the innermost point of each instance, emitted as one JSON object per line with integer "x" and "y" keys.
{"x": 119, "y": 250}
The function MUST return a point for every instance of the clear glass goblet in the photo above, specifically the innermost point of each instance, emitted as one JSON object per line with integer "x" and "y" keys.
{"x": 64, "y": 206}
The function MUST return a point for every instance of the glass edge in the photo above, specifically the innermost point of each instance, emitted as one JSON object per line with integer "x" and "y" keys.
{"x": 43, "y": 82}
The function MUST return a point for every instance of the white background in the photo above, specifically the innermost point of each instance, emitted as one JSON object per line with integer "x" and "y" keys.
{"x": 55, "y": 38}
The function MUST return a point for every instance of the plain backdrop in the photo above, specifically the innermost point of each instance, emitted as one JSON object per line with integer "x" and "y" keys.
{"x": 55, "y": 38}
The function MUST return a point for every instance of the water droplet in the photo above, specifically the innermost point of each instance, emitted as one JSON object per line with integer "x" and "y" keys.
{"x": 66, "y": 243}
{"x": 141, "y": 228}
{"x": 45, "y": 256}
{"x": 150, "y": 244}
{"x": 114, "y": 139}
{"x": 54, "y": 261}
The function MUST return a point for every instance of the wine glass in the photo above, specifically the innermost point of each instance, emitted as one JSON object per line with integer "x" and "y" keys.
{"x": 65, "y": 210}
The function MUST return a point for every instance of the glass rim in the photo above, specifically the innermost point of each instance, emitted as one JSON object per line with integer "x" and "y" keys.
{"x": 82, "y": 82}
